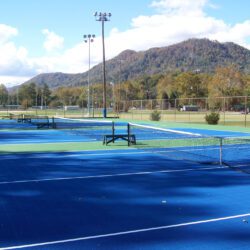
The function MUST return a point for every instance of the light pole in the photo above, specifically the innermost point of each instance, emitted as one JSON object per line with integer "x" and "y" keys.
{"x": 113, "y": 96}
{"x": 119, "y": 94}
{"x": 89, "y": 39}
{"x": 103, "y": 17}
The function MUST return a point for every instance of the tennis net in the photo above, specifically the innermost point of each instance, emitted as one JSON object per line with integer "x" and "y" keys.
{"x": 236, "y": 153}
{"x": 177, "y": 144}
{"x": 233, "y": 152}
{"x": 94, "y": 128}
{"x": 40, "y": 121}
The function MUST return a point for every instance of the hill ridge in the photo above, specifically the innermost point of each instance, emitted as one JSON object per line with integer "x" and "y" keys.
{"x": 190, "y": 55}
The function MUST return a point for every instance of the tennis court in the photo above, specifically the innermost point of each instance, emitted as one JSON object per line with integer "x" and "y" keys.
{"x": 77, "y": 193}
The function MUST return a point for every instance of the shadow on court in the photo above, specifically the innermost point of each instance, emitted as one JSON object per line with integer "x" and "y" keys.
{"x": 57, "y": 196}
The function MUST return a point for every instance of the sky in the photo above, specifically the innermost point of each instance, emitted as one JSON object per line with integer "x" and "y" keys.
{"x": 43, "y": 36}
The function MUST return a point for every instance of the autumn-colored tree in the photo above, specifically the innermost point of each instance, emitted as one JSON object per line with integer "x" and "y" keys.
{"x": 227, "y": 81}
{"x": 27, "y": 95}
{"x": 189, "y": 85}
{"x": 70, "y": 96}
{"x": 128, "y": 91}
{"x": 166, "y": 88}
{"x": 247, "y": 85}
{"x": 3, "y": 95}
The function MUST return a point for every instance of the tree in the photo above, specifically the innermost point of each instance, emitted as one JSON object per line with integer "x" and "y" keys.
{"x": 46, "y": 95}
{"x": 227, "y": 81}
{"x": 3, "y": 95}
{"x": 128, "y": 91}
{"x": 189, "y": 85}
{"x": 247, "y": 87}
{"x": 39, "y": 96}
{"x": 27, "y": 95}
{"x": 146, "y": 86}
{"x": 65, "y": 96}
{"x": 166, "y": 88}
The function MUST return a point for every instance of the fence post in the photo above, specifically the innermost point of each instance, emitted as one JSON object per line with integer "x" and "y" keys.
{"x": 245, "y": 111}
{"x": 161, "y": 107}
{"x": 132, "y": 109}
{"x": 224, "y": 109}
{"x": 141, "y": 109}
{"x": 175, "y": 101}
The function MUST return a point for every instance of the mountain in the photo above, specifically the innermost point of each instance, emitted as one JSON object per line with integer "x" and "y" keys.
{"x": 191, "y": 55}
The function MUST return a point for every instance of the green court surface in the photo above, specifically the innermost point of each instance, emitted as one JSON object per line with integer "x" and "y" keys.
{"x": 59, "y": 147}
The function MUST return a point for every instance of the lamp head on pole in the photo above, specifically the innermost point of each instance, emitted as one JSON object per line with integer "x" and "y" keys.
{"x": 102, "y": 16}
{"x": 88, "y": 38}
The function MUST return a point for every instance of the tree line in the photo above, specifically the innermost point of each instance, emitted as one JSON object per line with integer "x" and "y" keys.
{"x": 225, "y": 81}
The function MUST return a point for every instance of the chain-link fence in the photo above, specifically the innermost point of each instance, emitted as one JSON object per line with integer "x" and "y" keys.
{"x": 62, "y": 111}
{"x": 232, "y": 110}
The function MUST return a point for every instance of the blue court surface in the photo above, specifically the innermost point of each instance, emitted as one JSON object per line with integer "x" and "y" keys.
{"x": 80, "y": 135}
{"x": 120, "y": 199}
{"x": 46, "y": 136}
{"x": 115, "y": 197}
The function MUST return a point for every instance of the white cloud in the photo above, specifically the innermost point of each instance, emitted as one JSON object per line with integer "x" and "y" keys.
{"x": 52, "y": 40}
{"x": 177, "y": 20}
{"x": 239, "y": 33}
{"x": 173, "y": 21}
{"x": 10, "y": 81}
{"x": 16, "y": 65}
{"x": 6, "y": 32}
{"x": 185, "y": 7}
{"x": 14, "y": 62}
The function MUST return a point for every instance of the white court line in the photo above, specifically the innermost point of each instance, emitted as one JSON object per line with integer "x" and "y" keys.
{"x": 127, "y": 232}
{"x": 47, "y": 142}
{"x": 164, "y": 129}
{"x": 111, "y": 175}
{"x": 241, "y": 165}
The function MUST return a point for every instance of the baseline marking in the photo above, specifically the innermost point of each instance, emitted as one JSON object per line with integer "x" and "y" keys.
{"x": 127, "y": 232}
{"x": 111, "y": 175}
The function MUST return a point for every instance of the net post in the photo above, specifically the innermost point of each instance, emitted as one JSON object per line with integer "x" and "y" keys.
{"x": 128, "y": 130}
{"x": 53, "y": 122}
{"x": 221, "y": 144}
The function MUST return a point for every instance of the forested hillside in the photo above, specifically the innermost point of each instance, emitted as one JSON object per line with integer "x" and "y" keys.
{"x": 191, "y": 69}
{"x": 193, "y": 55}
{"x": 225, "y": 81}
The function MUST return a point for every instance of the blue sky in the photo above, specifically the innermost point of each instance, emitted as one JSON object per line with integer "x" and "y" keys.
{"x": 40, "y": 36}
{"x": 70, "y": 19}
